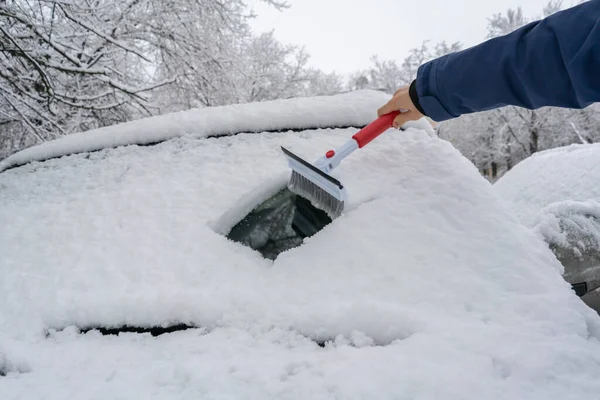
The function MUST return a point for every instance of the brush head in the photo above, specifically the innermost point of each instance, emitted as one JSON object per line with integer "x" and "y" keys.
{"x": 321, "y": 189}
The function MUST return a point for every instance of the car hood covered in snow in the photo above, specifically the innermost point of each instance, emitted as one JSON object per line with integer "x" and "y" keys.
{"x": 426, "y": 287}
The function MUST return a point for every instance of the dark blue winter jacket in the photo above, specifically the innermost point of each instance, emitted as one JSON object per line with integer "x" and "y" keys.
{"x": 553, "y": 62}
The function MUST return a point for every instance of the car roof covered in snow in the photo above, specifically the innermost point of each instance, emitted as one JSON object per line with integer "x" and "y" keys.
{"x": 426, "y": 286}
{"x": 353, "y": 109}
{"x": 563, "y": 174}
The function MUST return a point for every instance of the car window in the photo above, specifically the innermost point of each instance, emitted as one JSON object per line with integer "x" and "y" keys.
{"x": 279, "y": 224}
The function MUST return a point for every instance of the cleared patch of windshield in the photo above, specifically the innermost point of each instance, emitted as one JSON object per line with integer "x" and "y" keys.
{"x": 279, "y": 224}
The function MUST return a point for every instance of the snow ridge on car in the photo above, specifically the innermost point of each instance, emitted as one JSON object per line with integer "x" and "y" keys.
{"x": 353, "y": 109}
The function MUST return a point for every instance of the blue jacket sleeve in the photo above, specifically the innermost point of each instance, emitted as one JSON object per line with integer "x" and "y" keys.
{"x": 552, "y": 62}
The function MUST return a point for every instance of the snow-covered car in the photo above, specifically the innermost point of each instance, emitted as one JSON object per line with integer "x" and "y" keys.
{"x": 118, "y": 279}
{"x": 557, "y": 194}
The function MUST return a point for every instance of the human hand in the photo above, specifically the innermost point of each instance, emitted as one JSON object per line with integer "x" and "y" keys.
{"x": 402, "y": 102}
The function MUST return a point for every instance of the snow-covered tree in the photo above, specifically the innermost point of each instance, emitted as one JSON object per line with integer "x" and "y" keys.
{"x": 271, "y": 70}
{"x": 502, "y": 24}
{"x": 388, "y": 76}
{"x": 71, "y": 66}
{"x": 323, "y": 84}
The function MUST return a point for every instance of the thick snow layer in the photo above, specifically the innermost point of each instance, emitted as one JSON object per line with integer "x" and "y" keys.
{"x": 579, "y": 218}
{"x": 428, "y": 285}
{"x": 354, "y": 109}
{"x": 573, "y": 229}
{"x": 567, "y": 173}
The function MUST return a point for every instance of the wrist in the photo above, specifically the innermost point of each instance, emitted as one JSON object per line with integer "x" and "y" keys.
{"x": 414, "y": 97}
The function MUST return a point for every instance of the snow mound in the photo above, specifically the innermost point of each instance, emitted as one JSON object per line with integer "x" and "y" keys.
{"x": 567, "y": 173}
{"x": 426, "y": 285}
{"x": 578, "y": 218}
{"x": 353, "y": 109}
{"x": 7, "y": 366}
{"x": 572, "y": 229}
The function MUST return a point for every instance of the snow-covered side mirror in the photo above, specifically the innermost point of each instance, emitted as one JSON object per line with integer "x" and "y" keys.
{"x": 572, "y": 230}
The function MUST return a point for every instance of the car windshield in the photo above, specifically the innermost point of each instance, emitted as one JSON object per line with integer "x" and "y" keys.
{"x": 279, "y": 224}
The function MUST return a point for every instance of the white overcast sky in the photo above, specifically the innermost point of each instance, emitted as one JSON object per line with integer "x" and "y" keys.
{"x": 341, "y": 35}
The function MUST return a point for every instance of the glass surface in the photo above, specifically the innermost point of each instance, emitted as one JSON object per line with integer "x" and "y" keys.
{"x": 279, "y": 224}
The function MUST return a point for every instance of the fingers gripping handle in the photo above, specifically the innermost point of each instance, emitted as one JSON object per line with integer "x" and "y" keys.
{"x": 375, "y": 128}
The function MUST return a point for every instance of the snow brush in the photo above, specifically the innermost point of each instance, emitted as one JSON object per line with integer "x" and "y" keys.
{"x": 313, "y": 182}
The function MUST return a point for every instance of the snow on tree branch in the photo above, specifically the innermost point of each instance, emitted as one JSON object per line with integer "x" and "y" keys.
{"x": 68, "y": 66}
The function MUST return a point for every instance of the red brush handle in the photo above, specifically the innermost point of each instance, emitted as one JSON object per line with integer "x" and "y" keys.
{"x": 375, "y": 128}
